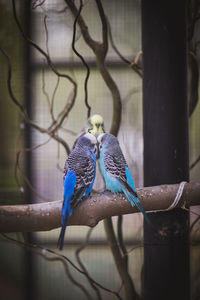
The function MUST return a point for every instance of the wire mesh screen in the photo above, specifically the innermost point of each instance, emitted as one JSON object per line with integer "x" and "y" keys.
{"x": 51, "y": 27}
{"x": 48, "y": 161}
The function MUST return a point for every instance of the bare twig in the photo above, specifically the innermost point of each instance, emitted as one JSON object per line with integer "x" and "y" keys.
{"x": 193, "y": 78}
{"x": 61, "y": 141}
{"x": 18, "y": 167}
{"x": 114, "y": 46}
{"x": 136, "y": 60}
{"x": 50, "y": 63}
{"x": 193, "y": 17}
{"x": 53, "y": 96}
{"x": 195, "y": 163}
{"x": 71, "y": 278}
{"x": 193, "y": 223}
{"x": 121, "y": 240}
{"x": 57, "y": 257}
{"x": 134, "y": 64}
{"x": 133, "y": 91}
{"x": 63, "y": 114}
{"x": 104, "y": 45}
{"x": 120, "y": 263}
{"x": 193, "y": 212}
{"x": 193, "y": 82}
{"x": 69, "y": 131}
{"x": 68, "y": 106}
{"x": 36, "y": 246}
{"x": 37, "y": 3}
{"x": 82, "y": 59}
{"x": 51, "y": 133}
{"x": 92, "y": 281}
{"x": 84, "y": 268}
{"x": 100, "y": 51}
{"x": 50, "y": 103}
{"x": 44, "y": 90}
{"x": 47, "y": 35}
{"x": 134, "y": 247}
{"x": 84, "y": 29}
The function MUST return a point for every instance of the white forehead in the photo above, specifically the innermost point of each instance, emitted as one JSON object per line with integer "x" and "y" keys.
{"x": 100, "y": 137}
{"x": 91, "y": 137}
{"x": 96, "y": 119}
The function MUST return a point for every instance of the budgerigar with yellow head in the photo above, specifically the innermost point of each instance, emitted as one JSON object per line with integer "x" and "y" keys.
{"x": 94, "y": 125}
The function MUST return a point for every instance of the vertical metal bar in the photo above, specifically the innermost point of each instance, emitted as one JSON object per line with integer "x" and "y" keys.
{"x": 29, "y": 257}
{"x": 165, "y": 128}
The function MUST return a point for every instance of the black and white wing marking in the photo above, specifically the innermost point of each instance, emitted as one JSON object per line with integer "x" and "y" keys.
{"x": 65, "y": 169}
{"x": 84, "y": 168}
{"x": 115, "y": 165}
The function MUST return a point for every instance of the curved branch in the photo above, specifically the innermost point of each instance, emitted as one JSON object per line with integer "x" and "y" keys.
{"x": 56, "y": 257}
{"x": 50, "y": 63}
{"x": 84, "y": 269}
{"x": 121, "y": 240}
{"x": 117, "y": 106}
{"x": 193, "y": 82}
{"x": 100, "y": 51}
{"x": 134, "y": 64}
{"x": 51, "y": 130}
{"x": 47, "y": 216}
{"x": 119, "y": 261}
{"x": 82, "y": 59}
{"x": 104, "y": 45}
{"x": 70, "y": 102}
{"x": 195, "y": 163}
{"x": 84, "y": 29}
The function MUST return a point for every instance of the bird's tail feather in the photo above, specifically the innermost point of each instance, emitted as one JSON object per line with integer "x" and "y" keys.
{"x": 135, "y": 201}
{"x": 69, "y": 186}
{"x": 62, "y": 235}
{"x": 66, "y": 212}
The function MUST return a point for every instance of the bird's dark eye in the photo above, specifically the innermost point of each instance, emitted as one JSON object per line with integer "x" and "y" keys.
{"x": 95, "y": 150}
{"x": 100, "y": 146}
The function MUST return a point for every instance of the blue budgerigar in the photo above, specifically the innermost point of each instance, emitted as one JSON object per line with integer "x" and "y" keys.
{"x": 79, "y": 175}
{"x": 115, "y": 170}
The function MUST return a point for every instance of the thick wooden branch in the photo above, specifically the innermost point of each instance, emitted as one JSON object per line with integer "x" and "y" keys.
{"x": 47, "y": 216}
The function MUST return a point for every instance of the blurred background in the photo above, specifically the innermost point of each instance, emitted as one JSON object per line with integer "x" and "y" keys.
{"x": 25, "y": 274}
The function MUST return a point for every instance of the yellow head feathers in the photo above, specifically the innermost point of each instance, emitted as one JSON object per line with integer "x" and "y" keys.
{"x": 96, "y": 126}
{"x": 96, "y": 119}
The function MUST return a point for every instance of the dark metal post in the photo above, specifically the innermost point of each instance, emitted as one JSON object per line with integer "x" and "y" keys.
{"x": 29, "y": 257}
{"x": 165, "y": 116}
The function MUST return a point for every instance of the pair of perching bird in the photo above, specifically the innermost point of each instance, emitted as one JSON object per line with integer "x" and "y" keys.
{"x": 80, "y": 170}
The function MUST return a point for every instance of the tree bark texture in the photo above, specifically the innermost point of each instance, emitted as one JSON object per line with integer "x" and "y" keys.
{"x": 47, "y": 216}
